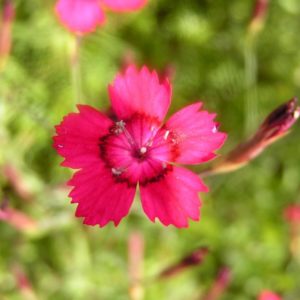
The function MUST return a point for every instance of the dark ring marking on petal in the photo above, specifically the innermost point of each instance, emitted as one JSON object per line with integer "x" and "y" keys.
{"x": 141, "y": 154}
{"x": 160, "y": 176}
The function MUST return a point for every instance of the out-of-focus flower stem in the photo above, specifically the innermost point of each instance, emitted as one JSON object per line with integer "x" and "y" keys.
{"x": 258, "y": 17}
{"x": 76, "y": 70}
{"x": 16, "y": 180}
{"x": 250, "y": 109}
{"x": 6, "y": 22}
{"x": 256, "y": 24}
{"x": 220, "y": 284}
{"x": 135, "y": 265}
{"x": 17, "y": 219}
{"x": 23, "y": 283}
{"x": 274, "y": 127}
{"x": 292, "y": 216}
{"x": 192, "y": 259}
{"x": 295, "y": 240}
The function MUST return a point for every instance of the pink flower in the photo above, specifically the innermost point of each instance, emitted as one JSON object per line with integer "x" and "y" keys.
{"x": 268, "y": 295}
{"x": 124, "y": 5}
{"x": 137, "y": 149}
{"x": 292, "y": 213}
{"x": 83, "y": 16}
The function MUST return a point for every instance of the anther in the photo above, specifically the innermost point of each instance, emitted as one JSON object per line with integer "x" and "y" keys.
{"x": 119, "y": 127}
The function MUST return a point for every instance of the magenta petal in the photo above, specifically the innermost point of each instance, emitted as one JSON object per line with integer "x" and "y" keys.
{"x": 124, "y": 5}
{"x": 174, "y": 198}
{"x": 78, "y": 135}
{"x": 100, "y": 198}
{"x": 195, "y": 134}
{"x": 139, "y": 92}
{"x": 80, "y": 16}
{"x": 268, "y": 295}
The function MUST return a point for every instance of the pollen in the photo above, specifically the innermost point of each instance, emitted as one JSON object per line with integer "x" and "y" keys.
{"x": 119, "y": 127}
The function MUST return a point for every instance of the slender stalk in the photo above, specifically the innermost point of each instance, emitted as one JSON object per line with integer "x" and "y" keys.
{"x": 193, "y": 259}
{"x": 23, "y": 283}
{"x": 256, "y": 24}
{"x": 76, "y": 70}
{"x": 220, "y": 284}
{"x": 135, "y": 265}
{"x": 250, "y": 61}
{"x": 17, "y": 219}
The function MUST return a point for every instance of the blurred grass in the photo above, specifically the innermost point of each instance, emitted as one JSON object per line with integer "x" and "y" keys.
{"x": 242, "y": 215}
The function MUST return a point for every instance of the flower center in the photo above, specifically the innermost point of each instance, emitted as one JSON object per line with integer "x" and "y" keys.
{"x": 138, "y": 150}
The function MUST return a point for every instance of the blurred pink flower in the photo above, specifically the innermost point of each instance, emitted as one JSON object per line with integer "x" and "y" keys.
{"x": 124, "y": 5}
{"x": 292, "y": 213}
{"x": 83, "y": 16}
{"x": 191, "y": 260}
{"x": 7, "y": 16}
{"x": 268, "y": 295}
{"x": 275, "y": 126}
{"x": 220, "y": 284}
{"x": 260, "y": 11}
{"x": 18, "y": 220}
{"x": 113, "y": 157}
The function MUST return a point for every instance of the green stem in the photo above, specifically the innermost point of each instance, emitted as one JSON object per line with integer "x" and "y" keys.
{"x": 250, "y": 85}
{"x": 76, "y": 71}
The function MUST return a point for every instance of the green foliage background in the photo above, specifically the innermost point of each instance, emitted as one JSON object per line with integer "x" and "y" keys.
{"x": 206, "y": 42}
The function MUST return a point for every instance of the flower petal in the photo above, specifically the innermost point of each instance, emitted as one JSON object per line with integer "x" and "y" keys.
{"x": 268, "y": 295}
{"x": 140, "y": 92}
{"x": 174, "y": 198}
{"x": 195, "y": 133}
{"x": 80, "y": 16}
{"x": 100, "y": 198}
{"x": 78, "y": 135}
{"x": 124, "y": 5}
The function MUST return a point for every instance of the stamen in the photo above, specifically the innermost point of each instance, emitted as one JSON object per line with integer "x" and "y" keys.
{"x": 129, "y": 137}
{"x": 119, "y": 127}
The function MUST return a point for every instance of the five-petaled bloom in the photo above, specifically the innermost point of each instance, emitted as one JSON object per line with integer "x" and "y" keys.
{"x": 137, "y": 149}
{"x": 268, "y": 295}
{"x": 292, "y": 213}
{"x": 83, "y": 16}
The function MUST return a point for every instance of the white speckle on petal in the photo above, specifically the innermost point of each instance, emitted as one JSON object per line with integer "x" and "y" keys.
{"x": 117, "y": 171}
{"x": 143, "y": 150}
{"x": 296, "y": 114}
{"x": 166, "y": 134}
